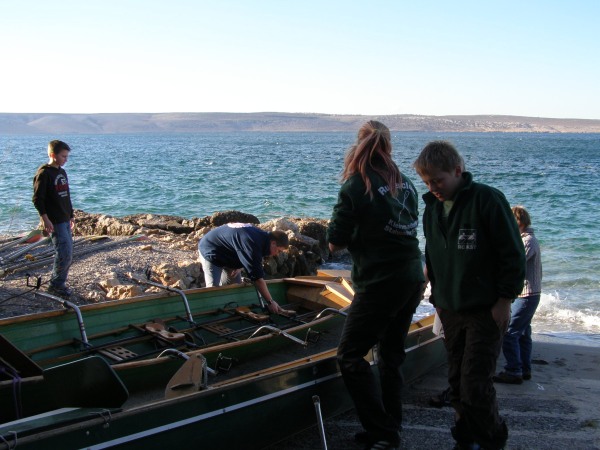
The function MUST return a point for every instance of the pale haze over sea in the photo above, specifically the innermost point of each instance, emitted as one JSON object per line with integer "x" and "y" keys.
{"x": 295, "y": 174}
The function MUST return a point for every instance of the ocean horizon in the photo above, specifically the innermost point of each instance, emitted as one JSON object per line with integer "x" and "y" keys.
{"x": 297, "y": 175}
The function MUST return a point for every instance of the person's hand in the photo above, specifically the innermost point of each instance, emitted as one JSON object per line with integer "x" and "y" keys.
{"x": 274, "y": 307}
{"x": 501, "y": 313}
{"x": 48, "y": 227}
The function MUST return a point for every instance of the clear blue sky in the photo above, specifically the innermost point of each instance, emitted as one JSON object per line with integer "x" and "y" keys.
{"x": 530, "y": 58}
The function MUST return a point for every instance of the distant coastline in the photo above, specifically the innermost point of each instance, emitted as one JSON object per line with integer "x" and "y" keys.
{"x": 116, "y": 123}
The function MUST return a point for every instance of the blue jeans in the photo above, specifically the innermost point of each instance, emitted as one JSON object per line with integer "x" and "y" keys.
{"x": 218, "y": 276}
{"x": 517, "y": 343}
{"x": 63, "y": 253}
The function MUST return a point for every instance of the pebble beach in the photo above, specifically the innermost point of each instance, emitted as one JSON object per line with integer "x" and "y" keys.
{"x": 16, "y": 298}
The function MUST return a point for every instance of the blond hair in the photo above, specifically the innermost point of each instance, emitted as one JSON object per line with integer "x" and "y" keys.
{"x": 438, "y": 155}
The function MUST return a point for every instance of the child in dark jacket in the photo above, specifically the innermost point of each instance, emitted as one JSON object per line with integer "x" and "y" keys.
{"x": 476, "y": 265}
{"x": 376, "y": 218}
{"x": 52, "y": 199}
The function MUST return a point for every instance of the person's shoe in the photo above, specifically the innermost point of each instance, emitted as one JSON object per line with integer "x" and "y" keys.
{"x": 527, "y": 376}
{"x": 382, "y": 445}
{"x": 440, "y": 400}
{"x": 59, "y": 291}
{"x": 507, "y": 378}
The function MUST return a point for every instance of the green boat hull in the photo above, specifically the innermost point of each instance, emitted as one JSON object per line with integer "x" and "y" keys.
{"x": 54, "y": 339}
{"x": 250, "y": 412}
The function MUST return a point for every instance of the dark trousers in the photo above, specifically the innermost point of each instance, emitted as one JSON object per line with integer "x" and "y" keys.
{"x": 379, "y": 318}
{"x": 473, "y": 341}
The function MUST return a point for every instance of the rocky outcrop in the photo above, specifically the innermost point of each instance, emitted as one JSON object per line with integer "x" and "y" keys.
{"x": 308, "y": 247}
{"x": 103, "y": 224}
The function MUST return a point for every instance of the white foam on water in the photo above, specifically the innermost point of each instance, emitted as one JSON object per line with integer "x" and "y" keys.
{"x": 558, "y": 315}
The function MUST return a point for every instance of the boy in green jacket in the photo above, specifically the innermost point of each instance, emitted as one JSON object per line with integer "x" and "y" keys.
{"x": 476, "y": 265}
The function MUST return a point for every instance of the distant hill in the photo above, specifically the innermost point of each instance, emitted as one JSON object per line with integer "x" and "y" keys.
{"x": 228, "y": 122}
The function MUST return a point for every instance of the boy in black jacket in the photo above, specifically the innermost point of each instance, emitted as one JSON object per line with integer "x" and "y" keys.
{"x": 52, "y": 199}
{"x": 476, "y": 265}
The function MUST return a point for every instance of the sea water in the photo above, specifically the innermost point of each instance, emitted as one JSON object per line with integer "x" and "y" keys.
{"x": 555, "y": 176}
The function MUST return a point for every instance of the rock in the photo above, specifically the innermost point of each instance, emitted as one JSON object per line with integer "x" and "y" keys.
{"x": 316, "y": 229}
{"x": 178, "y": 228}
{"x": 270, "y": 267}
{"x": 124, "y": 291}
{"x": 221, "y": 218}
{"x": 192, "y": 269}
{"x": 199, "y": 223}
{"x": 184, "y": 275}
{"x": 282, "y": 224}
{"x": 154, "y": 290}
{"x": 153, "y": 220}
{"x": 95, "y": 296}
{"x": 119, "y": 228}
{"x": 110, "y": 281}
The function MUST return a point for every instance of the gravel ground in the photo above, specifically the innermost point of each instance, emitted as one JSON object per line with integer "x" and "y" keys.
{"x": 122, "y": 255}
{"x": 559, "y": 408}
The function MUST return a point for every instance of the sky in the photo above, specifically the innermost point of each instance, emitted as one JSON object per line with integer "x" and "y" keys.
{"x": 512, "y": 57}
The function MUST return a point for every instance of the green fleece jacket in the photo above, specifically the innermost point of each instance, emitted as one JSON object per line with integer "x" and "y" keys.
{"x": 478, "y": 256}
{"x": 380, "y": 233}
